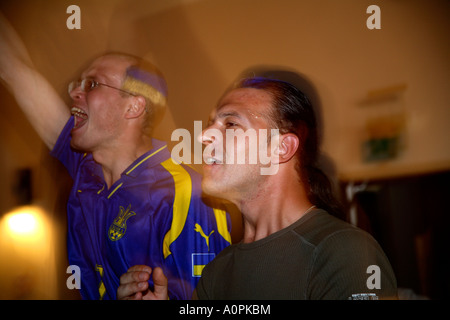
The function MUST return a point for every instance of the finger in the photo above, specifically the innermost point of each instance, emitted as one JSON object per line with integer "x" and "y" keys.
{"x": 131, "y": 291}
{"x": 135, "y": 276}
{"x": 137, "y": 296}
{"x": 140, "y": 267}
{"x": 159, "y": 279}
{"x": 160, "y": 284}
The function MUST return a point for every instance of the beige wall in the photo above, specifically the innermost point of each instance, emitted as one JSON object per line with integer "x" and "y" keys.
{"x": 203, "y": 45}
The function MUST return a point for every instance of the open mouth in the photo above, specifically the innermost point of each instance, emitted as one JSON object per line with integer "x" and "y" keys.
{"x": 211, "y": 161}
{"x": 80, "y": 117}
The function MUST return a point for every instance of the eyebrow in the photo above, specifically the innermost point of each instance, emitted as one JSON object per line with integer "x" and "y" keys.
{"x": 98, "y": 74}
{"x": 222, "y": 115}
{"x": 228, "y": 114}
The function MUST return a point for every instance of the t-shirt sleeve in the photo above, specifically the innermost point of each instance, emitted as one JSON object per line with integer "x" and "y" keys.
{"x": 351, "y": 265}
{"x": 200, "y": 292}
{"x": 62, "y": 150}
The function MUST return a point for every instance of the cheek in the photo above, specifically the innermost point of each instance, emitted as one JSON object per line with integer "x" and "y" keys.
{"x": 103, "y": 110}
{"x": 243, "y": 149}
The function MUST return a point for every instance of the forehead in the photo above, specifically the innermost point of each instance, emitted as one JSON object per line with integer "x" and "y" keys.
{"x": 108, "y": 67}
{"x": 255, "y": 102}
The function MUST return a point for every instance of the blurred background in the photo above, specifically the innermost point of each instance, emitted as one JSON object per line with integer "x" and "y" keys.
{"x": 384, "y": 98}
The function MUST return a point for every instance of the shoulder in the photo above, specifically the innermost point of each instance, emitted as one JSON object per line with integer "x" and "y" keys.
{"x": 343, "y": 257}
{"x": 338, "y": 244}
{"x": 180, "y": 172}
{"x": 320, "y": 228}
{"x": 63, "y": 151}
{"x": 170, "y": 174}
{"x": 215, "y": 269}
{"x": 220, "y": 262}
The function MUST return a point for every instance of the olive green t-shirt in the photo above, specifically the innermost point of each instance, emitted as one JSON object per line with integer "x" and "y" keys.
{"x": 317, "y": 257}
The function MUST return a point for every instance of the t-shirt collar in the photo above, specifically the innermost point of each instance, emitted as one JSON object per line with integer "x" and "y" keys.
{"x": 155, "y": 156}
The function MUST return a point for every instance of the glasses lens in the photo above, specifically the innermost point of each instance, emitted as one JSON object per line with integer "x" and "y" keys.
{"x": 87, "y": 85}
{"x": 73, "y": 85}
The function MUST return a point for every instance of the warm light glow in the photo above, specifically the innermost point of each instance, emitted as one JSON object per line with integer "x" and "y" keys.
{"x": 27, "y": 254}
{"x": 22, "y": 223}
{"x": 25, "y": 222}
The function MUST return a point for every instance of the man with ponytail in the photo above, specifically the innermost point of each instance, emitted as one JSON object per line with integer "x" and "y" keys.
{"x": 294, "y": 246}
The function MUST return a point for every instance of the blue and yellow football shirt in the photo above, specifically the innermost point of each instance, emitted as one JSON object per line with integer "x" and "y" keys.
{"x": 153, "y": 215}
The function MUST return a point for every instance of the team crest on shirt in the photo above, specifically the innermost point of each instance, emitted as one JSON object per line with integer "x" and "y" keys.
{"x": 119, "y": 226}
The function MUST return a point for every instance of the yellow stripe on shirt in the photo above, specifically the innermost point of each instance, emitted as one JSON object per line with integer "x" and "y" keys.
{"x": 181, "y": 203}
{"x": 117, "y": 188}
{"x": 222, "y": 226}
{"x": 146, "y": 158}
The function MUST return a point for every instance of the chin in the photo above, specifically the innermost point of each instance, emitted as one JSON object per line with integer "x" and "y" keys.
{"x": 75, "y": 145}
{"x": 78, "y": 146}
{"x": 211, "y": 188}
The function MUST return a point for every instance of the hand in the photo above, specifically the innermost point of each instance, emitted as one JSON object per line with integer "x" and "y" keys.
{"x": 134, "y": 284}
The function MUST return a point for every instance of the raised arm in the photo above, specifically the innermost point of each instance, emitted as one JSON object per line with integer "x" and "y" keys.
{"x": 43, "y": 107}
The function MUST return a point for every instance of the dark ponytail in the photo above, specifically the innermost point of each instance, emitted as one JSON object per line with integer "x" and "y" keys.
{"x": 321, "y": 192}
{"x": 293, "y": 113}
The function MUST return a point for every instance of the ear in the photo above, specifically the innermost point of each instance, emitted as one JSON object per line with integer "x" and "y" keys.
{"x": 287, "y": 147}
{"x": 136, "y": 107}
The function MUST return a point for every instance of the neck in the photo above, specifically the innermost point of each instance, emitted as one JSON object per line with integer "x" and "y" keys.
{"x": 273, "y": 209}
{"x": 115, "y": 159}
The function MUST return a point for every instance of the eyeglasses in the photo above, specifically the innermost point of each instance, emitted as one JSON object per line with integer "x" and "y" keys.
{"x": 88, "y": 84}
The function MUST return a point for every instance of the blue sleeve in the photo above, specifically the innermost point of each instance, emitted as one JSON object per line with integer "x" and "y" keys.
{"x": 64, "y": 152}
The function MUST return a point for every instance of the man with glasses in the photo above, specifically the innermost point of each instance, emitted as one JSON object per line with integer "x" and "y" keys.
{"x": 130, "y": 203}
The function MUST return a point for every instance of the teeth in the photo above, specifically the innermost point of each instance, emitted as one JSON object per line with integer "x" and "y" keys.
{"x": 79, "y": 113}
{"x": 210, "y": 160}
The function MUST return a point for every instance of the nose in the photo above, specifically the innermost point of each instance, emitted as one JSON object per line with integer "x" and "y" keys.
{"x": 206, "y": 137}
{"x": 75, "y": 91}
